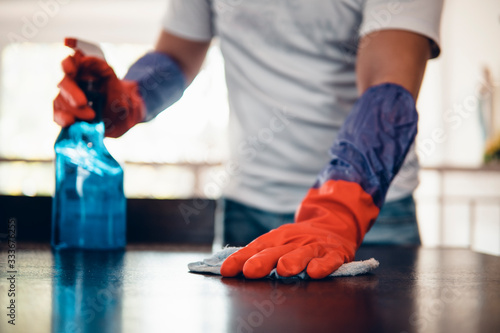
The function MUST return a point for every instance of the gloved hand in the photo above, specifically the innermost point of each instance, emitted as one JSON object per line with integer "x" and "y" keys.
{"x": 328, "y": 229}
{"x": 124, "y": 106}
{"x": 338, "y": 211}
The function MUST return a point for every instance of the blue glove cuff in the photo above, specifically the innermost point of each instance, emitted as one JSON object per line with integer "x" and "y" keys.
{"x": 160, "y": 80}
{"x": 374, "y": 140}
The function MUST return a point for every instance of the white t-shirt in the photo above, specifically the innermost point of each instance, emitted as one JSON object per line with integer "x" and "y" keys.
{"x": 290, "y": 73}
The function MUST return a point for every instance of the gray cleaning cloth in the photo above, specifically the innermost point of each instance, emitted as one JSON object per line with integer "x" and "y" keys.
{"x": 212, "y": 265}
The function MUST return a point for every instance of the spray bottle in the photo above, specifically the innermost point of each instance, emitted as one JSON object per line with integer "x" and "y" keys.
{"x": 89, "y": 205}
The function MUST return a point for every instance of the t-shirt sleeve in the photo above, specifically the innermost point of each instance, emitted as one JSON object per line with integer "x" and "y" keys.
{"x": 419, "y": 16}
{"x": 190, "y": 19}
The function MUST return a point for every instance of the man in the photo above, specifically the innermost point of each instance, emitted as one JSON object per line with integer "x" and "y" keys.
{"x": 308, "y": 74}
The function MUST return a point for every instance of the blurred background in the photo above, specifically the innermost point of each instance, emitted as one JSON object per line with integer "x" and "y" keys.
{"x": 180, "y": 154}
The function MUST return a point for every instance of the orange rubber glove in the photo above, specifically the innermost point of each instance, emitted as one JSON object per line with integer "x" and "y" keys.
{"x": 124, "y": 106}
{"x": 336, "y": 213}
{"x": 328, "y": 229}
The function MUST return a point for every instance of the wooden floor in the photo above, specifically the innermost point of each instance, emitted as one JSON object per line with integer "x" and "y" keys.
{"x": 148, "y": 289}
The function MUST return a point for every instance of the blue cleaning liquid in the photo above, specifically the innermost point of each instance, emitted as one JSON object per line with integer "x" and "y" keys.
{"x": 89, "y": 205}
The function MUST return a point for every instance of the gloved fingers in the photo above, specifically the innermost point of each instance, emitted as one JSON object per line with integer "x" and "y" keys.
{"x": 70, "y": 65}
{"x": 233, "y": 265}
{"x": 63, "y": 118}
{"x": 320, "y": 268}
{"x": 95, "y": 68}
{"x": 71, "y": 93}
{"x": 296, "y": 261}
{"x": 65, "y": 114}
{"x": 86, "y": 67}
{"x": 262, "y": 263}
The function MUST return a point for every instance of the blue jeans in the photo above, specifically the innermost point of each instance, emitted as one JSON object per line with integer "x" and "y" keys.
{"x": 395, "y": 225}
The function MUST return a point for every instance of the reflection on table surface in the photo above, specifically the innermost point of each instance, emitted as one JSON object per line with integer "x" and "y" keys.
{"x": 148, "y": 289}
{"x": 87, "y": 291}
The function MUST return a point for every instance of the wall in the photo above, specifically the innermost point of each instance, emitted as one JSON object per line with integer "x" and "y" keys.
{"x": 449, "y": 130}
{"x": 459, "y": 207}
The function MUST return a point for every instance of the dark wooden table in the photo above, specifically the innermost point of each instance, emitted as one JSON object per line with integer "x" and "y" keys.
{"x": 148, "y": 289}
